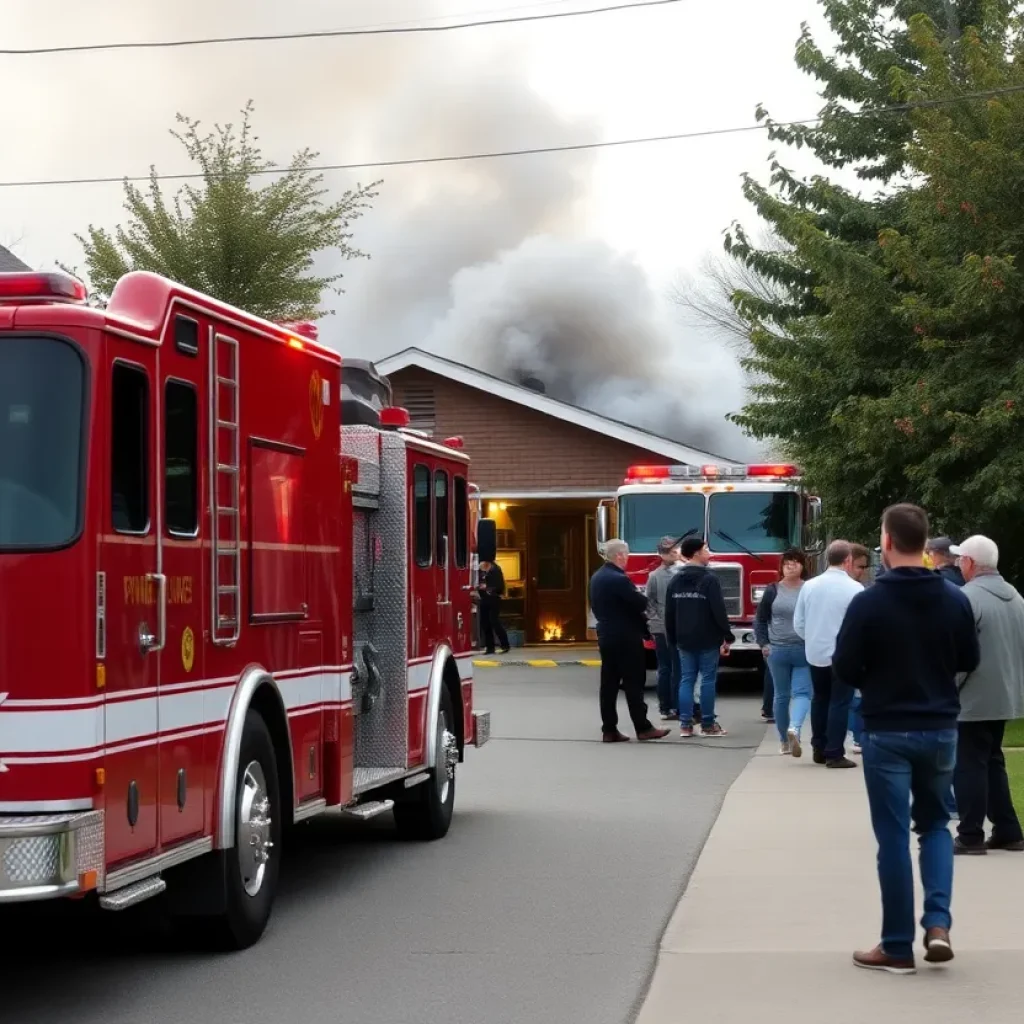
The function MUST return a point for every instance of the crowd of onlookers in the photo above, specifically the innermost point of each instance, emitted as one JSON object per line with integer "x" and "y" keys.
{"x": 918, "y": 673}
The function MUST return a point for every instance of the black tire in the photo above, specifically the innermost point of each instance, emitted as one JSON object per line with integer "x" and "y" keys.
{"x": 426, "y": 812}
{"x": 224, "y": 913}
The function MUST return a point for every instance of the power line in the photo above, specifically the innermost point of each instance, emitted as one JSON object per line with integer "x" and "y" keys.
{"x": 335, "y": 33}
{"x": 900, "y": 108}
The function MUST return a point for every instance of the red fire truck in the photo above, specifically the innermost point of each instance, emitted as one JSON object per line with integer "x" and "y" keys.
{"x": 749, "y": 515}
{"x": 235, "y": 592}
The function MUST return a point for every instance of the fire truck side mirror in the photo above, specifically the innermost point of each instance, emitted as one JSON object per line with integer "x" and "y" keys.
{"x": 603, "y": 519}
{"x": 814, "y": 541}
{"x": 486, "y": 540}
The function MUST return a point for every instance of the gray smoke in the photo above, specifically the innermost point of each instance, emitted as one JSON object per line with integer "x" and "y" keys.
{"x": 487, "y": 262}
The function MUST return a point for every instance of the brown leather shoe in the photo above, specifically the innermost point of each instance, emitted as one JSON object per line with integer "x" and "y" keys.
{"x": 937, "y": 946}
{"x": 878, "y": 960}
{"x": 614, "y": 737}
{"x": 652, "y": 734}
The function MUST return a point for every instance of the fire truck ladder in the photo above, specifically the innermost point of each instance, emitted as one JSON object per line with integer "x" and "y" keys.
{"x": 224, "y": 482}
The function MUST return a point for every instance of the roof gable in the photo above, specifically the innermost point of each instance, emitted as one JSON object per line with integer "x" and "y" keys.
{"x": 9, "y": 263}
{"x": 530, "y": 399}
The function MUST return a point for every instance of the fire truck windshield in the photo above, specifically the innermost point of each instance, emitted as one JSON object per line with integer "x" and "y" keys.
{"x": 753, "y": 521}
{"x": 42, "y": 399}
{"x": 645, "y": 518}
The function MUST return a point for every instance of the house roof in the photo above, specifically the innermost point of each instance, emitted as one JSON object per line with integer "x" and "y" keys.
{"x": 9, "y": 263}
{"x": 467, "y": 375}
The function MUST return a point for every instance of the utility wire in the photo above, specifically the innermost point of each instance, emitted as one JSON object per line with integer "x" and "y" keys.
{"x": 334, "y": 33}
{"x": 900, "y": 108}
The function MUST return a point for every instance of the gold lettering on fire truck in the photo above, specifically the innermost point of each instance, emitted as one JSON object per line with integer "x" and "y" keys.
{"x": 141, "y": 590}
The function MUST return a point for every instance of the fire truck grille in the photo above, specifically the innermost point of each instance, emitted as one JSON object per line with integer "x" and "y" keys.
{"x": 32, "y": 861}
{"x": 729, "y": 577}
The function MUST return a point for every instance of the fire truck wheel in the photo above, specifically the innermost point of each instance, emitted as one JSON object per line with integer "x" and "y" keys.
{"x": 251, "y": 868}
{"x": 426, "y": 813}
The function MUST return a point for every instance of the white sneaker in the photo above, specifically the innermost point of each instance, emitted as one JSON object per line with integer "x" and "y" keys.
{"x": 784, "y": 749}
{"x": 852, "y": 744}
{"x": 794, "y": 743}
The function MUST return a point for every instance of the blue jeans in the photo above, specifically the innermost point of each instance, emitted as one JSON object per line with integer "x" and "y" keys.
{"x": 792, "y": 677}
{"x": 690, "y": 664}
{"x": 668, "y": 674}
{"x": 908, "y": 776}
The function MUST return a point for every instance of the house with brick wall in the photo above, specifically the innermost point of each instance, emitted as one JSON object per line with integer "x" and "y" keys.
{"x": 542, "y": 466}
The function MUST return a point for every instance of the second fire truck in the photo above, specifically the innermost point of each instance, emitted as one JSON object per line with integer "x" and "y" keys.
{"x": 235, "y": 592}
{"x": 748, "y": 514}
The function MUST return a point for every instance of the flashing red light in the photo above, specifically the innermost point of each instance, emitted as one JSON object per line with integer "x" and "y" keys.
{"x": 647, "y": 473}
{"x": 454, "y": 442}
{"x": 709, "y": 470}
{"x": 41, "y": 287}
{"x": 393, "y": 416}
{"x": 295, "y": 343}
{"x": 776, "y": 469}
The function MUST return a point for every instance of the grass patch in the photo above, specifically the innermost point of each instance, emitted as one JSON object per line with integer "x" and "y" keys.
{"x": 1014, "y": 735}
{"x": 1015, "y": 770}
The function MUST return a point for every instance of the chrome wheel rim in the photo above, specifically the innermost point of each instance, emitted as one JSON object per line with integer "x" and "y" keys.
{"x": 448, "y": 757}
{"x": 254, "y": 842}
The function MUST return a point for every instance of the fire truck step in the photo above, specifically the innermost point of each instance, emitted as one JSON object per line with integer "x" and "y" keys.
{"x": 369, "y": 810}
{"x": 122, "y": 899}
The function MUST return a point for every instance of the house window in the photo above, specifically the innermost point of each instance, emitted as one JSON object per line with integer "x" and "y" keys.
{"x": 418, "y": 401}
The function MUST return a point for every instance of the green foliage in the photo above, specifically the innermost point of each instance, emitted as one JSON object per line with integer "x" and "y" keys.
{"x": 243, "y": 236}
{"x": 892, "y": 367}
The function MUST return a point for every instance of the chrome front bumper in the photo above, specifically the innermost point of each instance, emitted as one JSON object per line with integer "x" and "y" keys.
{"x": 481, "y": 727}
{"x": 44, "y": 856}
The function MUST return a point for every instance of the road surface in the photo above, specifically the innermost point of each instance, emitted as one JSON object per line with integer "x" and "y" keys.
{"x": 545, "y": 902}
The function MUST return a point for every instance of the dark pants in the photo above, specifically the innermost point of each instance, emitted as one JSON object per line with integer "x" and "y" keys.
{"x": 830, "y": 713}
{"x": 490, "y": 624}
{"x": 982, "y": 789}
{"x": 768, "y": 693}
{"x": 623, "y": 664}
{"x": 907, "y": 775}
{"x": 668, "y": 674}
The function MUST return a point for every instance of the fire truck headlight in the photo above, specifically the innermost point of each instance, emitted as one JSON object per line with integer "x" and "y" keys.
{"x": 756, "y": 593}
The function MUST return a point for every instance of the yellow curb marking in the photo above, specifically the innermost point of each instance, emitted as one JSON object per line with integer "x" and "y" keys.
{"x": 487, "y": 664}
{"x": 542, "y": 663}
{"x": 592, "y": 662}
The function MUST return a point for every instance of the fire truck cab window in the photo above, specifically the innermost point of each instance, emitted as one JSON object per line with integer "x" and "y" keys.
{"x": 441, "y": 517}
{"x": 181, "y": 454}
{"x": 42, "y": 384}
{"x": 461, "y": 523}
{"x": 759, "y": 522}
{"x": 129, "y": 449}
{"x": 645, "y": 518}
{"x": 421, "y": 514}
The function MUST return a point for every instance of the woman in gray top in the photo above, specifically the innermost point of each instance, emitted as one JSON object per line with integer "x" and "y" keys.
{"x": 784, "y": 650}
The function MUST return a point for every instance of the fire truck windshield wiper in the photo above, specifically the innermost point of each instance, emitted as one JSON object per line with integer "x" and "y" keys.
{"x": 689, "y": 533}
{"x": 732, "y": 540}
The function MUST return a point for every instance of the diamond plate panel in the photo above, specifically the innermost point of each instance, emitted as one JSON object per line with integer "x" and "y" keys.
{"x": 49, "y": 849}
{"x": 34, "y": 861}
{"x": 382, "y": 732}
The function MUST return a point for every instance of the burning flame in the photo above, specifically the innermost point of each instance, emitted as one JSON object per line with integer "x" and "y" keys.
{"x": 551, "y": 631}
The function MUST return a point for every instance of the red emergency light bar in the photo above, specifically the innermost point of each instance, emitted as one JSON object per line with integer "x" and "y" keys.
{"x": 394, "y": 416}
{"x": 710, "y": 471}
{"x": 33, "y": 286}
{"x": 304, "y": 328}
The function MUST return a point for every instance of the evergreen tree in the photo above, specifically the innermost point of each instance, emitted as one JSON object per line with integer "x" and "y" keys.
{"x": 891, "y": 366}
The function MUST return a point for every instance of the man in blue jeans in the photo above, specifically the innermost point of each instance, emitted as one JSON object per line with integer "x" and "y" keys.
{"x": 697, "y": 623}
{"x": 901, "y": 644}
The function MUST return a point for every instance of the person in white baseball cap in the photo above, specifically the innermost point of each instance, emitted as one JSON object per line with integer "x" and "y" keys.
{"x": 990, "y": 696}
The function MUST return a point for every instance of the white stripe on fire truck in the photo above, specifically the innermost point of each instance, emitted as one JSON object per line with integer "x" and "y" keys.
{"x": 80, "y": 733}
{"x": 80, "y": 729}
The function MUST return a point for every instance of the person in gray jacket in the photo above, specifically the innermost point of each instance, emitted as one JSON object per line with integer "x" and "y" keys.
{"x": 990, "y": 696}
{"x": 668, "y": 657}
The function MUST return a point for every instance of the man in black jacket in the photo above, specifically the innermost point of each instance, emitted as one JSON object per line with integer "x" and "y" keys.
{"x": 901, "y": 644}
{"x": 944, "y": 560}
{"x": 697, "y": 624}
{"x": 492, "y": 590}
{"x": 621, "y": 613}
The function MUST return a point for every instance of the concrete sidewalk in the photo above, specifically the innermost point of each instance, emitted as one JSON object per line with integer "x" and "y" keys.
{"x": 784, "y": 892}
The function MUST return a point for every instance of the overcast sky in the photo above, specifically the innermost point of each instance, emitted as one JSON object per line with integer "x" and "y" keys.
{"x": 528, "y": 255}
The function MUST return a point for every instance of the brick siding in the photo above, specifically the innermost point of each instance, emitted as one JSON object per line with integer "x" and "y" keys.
{"x": 514, "y": 448}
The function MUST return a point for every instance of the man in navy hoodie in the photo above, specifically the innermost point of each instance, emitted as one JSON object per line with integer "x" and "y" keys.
{"x": 902, "y": 643}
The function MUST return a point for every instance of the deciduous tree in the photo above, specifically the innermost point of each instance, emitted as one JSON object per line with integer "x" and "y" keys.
{"x": 248, "y": 234}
